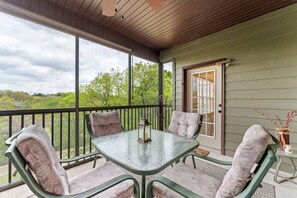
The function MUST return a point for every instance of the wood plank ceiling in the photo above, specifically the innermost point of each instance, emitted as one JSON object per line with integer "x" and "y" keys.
{"x": 178, "y": 22}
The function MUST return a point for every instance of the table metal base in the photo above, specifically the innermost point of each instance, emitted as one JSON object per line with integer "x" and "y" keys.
{"x": 284, "y": 178}
{"x": 143, "y": 183}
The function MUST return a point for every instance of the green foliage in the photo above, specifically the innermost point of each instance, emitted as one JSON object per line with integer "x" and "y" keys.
{"x": 145, "y": 84}
{"x": 10, "y": 100}
{"x": 7, "y": 103}
{"x": 167, "y": 89}
{"x": 107, "y": 89}
{"x": 14, "y": 100}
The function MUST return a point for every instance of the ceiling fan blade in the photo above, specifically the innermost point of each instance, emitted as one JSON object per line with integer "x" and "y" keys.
{"x": 109, "y": 7}
{"x": 156, "y": 4}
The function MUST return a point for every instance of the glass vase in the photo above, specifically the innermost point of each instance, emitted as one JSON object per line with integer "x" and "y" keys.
{"x": 284, "y": 137}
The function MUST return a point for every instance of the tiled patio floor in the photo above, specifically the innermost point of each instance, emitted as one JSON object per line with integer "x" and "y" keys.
{"x": 286, "y": 189}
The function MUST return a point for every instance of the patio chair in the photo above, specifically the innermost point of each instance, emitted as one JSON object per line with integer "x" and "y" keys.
{"x": 186, "y": 124}
{"x": 100, "y": 124}
{"x": 33, "y": 156}
{"x": 252, "y": 160}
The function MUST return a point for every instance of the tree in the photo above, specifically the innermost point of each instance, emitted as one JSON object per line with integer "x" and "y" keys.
{"x": 99, "y": 90}
{"x": 7, "y": 103}
{"x": 120, "y": 87}
{"x": 145, "y": 83}
{"x": 167, "y": 87}
{"x": 21, "y": 100}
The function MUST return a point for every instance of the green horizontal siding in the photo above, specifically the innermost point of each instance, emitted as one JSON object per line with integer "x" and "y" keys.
{"x": 262, "y": 75}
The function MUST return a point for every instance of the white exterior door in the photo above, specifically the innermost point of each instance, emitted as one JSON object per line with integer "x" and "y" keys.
{"x": 204, "y": 96}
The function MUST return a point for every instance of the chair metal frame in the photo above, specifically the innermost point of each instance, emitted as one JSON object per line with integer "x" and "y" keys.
{"x": 21, "y": 166}
{"x": 200, "y": 119}
{"x": 196, "y": 135}
{"x": 265, "y": 164}
{"x": 92, "y": 136}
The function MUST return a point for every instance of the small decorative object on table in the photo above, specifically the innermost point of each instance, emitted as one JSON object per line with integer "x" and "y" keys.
{"x": 282, "y": 130}
{"x": 144, "y": 131}
{"x": 284, "y": 136}
{"x": 288, "y": 148}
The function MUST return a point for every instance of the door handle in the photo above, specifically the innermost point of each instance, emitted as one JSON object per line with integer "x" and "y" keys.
{"x": 220, "y": 111}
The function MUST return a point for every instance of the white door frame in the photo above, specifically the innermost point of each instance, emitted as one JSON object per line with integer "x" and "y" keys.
{"x": 220, "y": 62}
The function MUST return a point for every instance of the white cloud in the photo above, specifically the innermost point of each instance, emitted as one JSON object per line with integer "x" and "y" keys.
{"x": 37, "y": 59}
{"x": 96, "y": 58}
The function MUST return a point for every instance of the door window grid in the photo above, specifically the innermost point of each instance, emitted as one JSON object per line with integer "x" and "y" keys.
{"x": 203, "y": 100}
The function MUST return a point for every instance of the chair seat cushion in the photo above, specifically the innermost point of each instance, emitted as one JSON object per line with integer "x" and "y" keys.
{"x": 190, "y": 178}
{"x": 98, "y": 176}
{"x": 35, "y": 147}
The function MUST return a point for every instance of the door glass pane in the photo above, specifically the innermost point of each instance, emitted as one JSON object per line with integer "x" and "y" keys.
{"x": 210, "y": 130}
{"x": 194, "y": 85}
{"x": 203, "y": 100}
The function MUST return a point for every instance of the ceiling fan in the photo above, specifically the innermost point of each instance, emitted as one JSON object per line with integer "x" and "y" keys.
{"x": 109, "y": 6}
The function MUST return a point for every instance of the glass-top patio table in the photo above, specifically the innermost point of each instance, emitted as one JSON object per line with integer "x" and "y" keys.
{"x": 144, "y": 159}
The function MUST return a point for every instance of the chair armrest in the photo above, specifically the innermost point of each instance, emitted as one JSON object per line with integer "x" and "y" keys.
{"x": 195, "y": 135}
{"x": 274, "y": 146}
{"x": 9, "y": 141}
{"x": 91, "y": 192}
{"x": 226, "y": 163}
{"x": 171, "y": 185}
{"x": 77, "y": 158}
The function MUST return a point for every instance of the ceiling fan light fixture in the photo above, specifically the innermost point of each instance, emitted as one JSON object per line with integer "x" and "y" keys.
{"x": 109, "y": 7}
{"x": 156, "y": 4}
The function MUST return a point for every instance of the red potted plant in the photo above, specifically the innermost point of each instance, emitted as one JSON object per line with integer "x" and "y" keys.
{"x": 282, "y": 128}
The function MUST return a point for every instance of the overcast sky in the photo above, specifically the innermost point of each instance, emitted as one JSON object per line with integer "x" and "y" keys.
{"x": 37, "y": 59}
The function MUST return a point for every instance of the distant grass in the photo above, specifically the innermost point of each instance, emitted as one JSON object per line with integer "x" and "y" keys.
{"x": 4, "y": 179}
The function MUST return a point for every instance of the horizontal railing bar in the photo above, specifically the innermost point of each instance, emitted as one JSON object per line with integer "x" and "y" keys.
{"x": 35, "y": 111}
{"x": 115, "y": 107}
{"x": 11, "y": 185}
{"x": 66, "y": 110}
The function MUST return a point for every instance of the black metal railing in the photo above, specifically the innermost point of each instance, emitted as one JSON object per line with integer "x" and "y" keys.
{"x": 61, "y": 126}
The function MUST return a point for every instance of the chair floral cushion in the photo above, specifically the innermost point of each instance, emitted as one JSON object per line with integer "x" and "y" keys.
{"x": 190, "y": 178}
{"x": 98, "y": 176}
{"x": 35, "y": 146}
{"x": 105, "y": 123}
{"x": 184, "y": 124}
{"x": 248, "y": 153}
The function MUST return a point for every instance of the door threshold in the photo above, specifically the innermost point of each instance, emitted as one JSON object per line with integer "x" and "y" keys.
{"x": 212, "y": 150}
